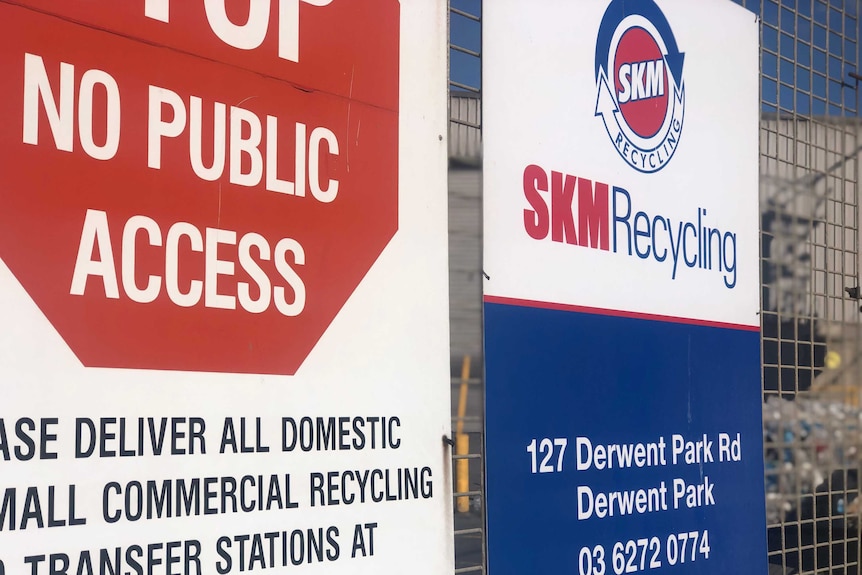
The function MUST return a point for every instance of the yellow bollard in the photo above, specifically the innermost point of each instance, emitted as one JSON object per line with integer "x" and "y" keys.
{"x": 462, "y": 396}
{"x": 462, "y": 441}
{"x": 462, "y": 447}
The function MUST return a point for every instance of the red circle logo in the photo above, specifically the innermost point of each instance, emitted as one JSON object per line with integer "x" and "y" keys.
{"x": 640, "y": 81}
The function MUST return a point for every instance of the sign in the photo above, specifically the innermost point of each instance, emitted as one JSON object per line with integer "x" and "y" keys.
{"x": 622, "y": 349}
{"x": 208, "y": 357}
{"x": 235, "y": 198}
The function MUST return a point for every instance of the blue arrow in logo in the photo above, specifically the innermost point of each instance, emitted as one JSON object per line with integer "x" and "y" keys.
{"x": 616, "y": 12}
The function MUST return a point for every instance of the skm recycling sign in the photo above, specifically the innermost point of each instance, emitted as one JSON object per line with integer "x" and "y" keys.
{"x": 623, "y": 408}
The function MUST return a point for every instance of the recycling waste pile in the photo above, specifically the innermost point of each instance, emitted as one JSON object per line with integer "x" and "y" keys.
{"x": 812, "y": 486}
{"x": 806, "y": 441}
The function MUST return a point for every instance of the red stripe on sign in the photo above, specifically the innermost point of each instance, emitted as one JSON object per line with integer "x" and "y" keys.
{"x": 615, "y": 313}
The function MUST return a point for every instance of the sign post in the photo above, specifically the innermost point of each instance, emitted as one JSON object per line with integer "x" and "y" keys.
{"x": 623, "y": 409}
{"x": 219, "y": 352}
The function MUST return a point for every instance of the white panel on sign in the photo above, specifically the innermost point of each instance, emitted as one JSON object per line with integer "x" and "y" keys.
{"x": 666, "y": 212}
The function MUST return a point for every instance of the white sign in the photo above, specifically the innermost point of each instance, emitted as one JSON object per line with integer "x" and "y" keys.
{"x": 220, "y": 352}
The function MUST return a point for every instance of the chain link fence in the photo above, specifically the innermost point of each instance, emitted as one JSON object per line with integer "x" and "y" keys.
{"x": 810, "y": 147}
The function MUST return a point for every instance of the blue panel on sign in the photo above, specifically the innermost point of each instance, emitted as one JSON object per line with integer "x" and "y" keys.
{"x": 622, "y": 445}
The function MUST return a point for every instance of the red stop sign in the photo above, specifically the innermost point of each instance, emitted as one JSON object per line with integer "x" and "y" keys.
{"x": 197, "y": 189}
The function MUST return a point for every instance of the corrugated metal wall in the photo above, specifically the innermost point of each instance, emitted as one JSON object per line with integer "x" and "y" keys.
{"x": 465, "y": 263}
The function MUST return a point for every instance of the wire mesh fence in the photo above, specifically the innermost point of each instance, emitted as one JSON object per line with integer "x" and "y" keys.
{"x": 465, "y": 263}
{"x": 809, "y": 152}
{"x": 810, "y": 147}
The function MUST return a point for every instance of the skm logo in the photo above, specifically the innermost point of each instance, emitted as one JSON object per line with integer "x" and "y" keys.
{"x": 641, "y": 96}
